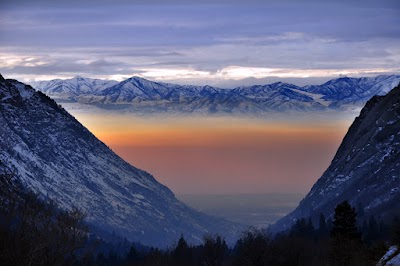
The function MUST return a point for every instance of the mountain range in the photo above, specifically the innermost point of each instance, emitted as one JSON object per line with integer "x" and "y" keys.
{"x": 140, "y": 95}
{"x": 365, "y": 170}
{"x": 56, "y": 157}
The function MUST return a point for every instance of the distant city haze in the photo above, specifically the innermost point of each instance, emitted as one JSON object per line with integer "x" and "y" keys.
{"x": 257, "y": 210}
{"x": 222, "y": 155}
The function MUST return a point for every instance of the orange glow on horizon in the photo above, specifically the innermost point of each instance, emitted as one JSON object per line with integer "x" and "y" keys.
{"x": 205, "y": 132}
{"x": 193, "y": 155}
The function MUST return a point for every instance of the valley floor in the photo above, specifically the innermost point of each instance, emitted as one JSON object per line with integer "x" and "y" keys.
{"x": 258, "y": 210}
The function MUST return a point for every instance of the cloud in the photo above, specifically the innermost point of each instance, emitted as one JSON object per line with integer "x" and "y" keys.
{"x": 204, "y": 41}
{"x": 188, "y": 25}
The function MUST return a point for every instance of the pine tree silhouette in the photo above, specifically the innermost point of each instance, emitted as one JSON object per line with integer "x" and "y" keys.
{"x": 346, "y": 240}
{"x": 344, "y": 222}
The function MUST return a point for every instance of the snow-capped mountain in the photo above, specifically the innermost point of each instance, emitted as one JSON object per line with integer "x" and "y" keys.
{"x": 54, "y": 155}
{"x": 365, "y": 169}
{"x": 68, "y": 89}
{"x": 141, "y": 95}
{"x": 278, "y": 97}
{"x": 137, "y": 89}
{"x": 342, "y": 91}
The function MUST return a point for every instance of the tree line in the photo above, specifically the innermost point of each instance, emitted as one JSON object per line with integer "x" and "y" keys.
{"x": 34, "y": 231}
{"x": 338, "y": 242}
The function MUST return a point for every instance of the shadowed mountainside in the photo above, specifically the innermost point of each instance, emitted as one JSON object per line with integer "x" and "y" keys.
{"x": 55, "y": 156}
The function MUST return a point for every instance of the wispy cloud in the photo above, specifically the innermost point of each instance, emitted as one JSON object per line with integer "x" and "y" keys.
{"x": 202, "y": 42}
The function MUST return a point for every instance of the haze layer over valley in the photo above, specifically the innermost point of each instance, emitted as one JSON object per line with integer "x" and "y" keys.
{"x": 221, "y": 155}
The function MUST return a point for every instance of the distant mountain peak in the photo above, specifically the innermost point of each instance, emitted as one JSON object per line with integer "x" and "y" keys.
{"x": 68, "y": 89}
{"x": 139, "y": 79}
{"x": 141, "y": 95}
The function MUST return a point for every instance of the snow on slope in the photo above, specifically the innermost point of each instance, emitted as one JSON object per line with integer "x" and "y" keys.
{"x": 141, "y": 95}
{"x": 391, "y": 258}
{"x": 57, "y": 157}
{"x": 366, "y": 168}
{"x": 69, "y": 88}
{"x": 316, "y": 97}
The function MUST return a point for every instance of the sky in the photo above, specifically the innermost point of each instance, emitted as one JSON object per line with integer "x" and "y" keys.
{"x": 225, "y": 43}
{"x": 221, "y": 43}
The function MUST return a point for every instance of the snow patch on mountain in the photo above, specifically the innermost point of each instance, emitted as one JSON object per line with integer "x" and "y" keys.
{"x": 54, "y": 155}
{"x": 316, "y": 97}
{"x": 143, "y": 96}
{"x": 70, "y": 88}
{"x": 364, "y": 168}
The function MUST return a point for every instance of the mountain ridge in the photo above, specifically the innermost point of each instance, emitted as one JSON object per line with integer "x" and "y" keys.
{"x": 141, "y": 95}
{"x": 69, "y": 88}
{"x": 55, "y": 156}
{"x": 365, "y": 169}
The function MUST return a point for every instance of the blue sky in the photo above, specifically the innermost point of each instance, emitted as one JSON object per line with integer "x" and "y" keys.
{"x": 223, "y": 43}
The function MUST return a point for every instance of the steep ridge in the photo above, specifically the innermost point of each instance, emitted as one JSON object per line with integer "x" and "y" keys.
{"x": 54, "y": 155}
{"x": 365, "y": 169}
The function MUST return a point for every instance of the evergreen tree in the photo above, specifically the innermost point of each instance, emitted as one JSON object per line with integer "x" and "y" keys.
{"x": 301, "y": 228}
{"x": 364, "y": 227}
{"x": 396, "y": 232}
{"x": 215, "y": 250}
{"x": 182, "y": 253}
{"x": 373, "y": 230}
{"x": 133, "y": 255}
{"x": 344, "y": 222}
{"x": 252, "y": 248}
{"x": 360, "y": 210}
{"x": 345, "y": 244}
{"x": 323, "y": 228}
{"x": 329, "y": 224}
{"x": 310, "y": 227}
